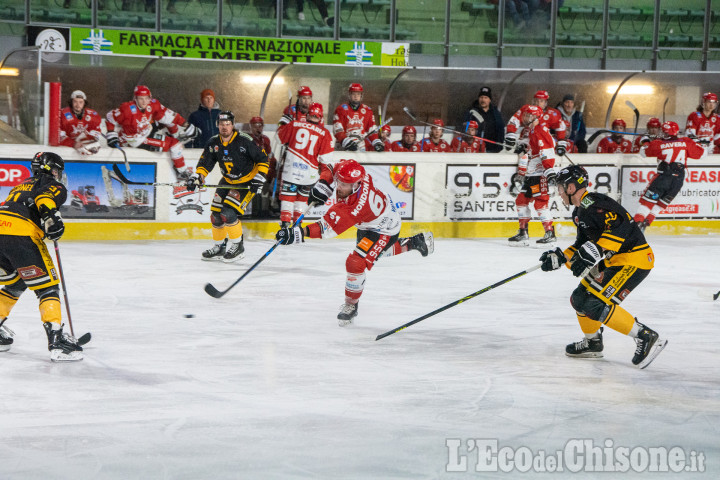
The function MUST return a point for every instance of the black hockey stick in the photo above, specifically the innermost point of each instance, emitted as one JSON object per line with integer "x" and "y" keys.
{"x": 637, "y": 113}
{"x": 716, "y": 295}
{"x": 127, "y": 164}
{"x": 415, "y": 119}
{"x": 214, "y": 292}
{"x": 458, "y": 302}
{"x": 125, "y": 180}
{"x": 664, "y": 105}
{"x": 86, "y": 337}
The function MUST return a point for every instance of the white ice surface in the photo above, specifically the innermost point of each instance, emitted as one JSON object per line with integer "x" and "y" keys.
{"x": 263, "y": 384}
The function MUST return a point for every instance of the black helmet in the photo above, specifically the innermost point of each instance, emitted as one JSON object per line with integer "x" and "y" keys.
{"x": 573, "y": 175}
{"x": 226, "y": 115}
{"x": 47, "y": 163}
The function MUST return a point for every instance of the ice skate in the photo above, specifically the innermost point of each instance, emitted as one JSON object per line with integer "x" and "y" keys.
{"x": 348, "y": 311}
{"x": 285, "y": 224}
{"x": 521, "y": 239}
{"x": 549, "y": 237}
{"x": 216, "y": 252}
{"x": 423, "y": 243}
{"x": 6, "y": 336}
{"x": 235, "y": 252}
{"x": 586, "y": 348}
{"x": 63, "y": 347}
{"x": 646, "y": 340}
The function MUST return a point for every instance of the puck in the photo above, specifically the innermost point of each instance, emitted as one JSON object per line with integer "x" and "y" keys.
{"x": 189, "y": 315}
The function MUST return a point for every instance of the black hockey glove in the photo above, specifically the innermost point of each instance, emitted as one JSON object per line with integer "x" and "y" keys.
{"x": 112, "y": 139}
{"x": 320, "y": 193}
{"x": 289, "y": 235}
{"x": 52, "y": 223}
{"x": 662, "y": 167}
{"x": 521, "y": 148}
{"x": 552, "y": 260}
{"x": 551, "y": 177}
{"x": 193, "y": 182}
{"x": 256, "y": 184}
{"x": 187, "y": 133}
{"x": 379, "y": 147}
{"x": 350, "y": 143}
{"x": 585, "y": 257}
{"x": 510, "y": 144}
{"x": 561, "y": 148}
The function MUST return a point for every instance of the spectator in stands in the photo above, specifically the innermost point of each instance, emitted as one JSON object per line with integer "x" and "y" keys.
{"x": 521, "y": 11}
{"x": 575, "y": 121}
{"x": 490, "y": 122}
{"x": 205, "y": 118}
{"x": 320, "y": 4}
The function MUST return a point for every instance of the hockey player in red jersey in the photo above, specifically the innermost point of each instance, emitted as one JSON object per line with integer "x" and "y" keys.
{"x": 434, "y": 142}
{"x": 468, "y": 142}
{"x": 654, "y": 127}
{"x": 80, "y": 126}
{"x": 384, "y": 136}
{"x": 616, "y": 142}
{"x": 308, "y": 151}
{"x": 359, "y": 204}
{"x": 537, "y": 173}
{"x": 407, "y": 142}
{"x": 131, "y": 124}
{"x": 672, "y": 154}
{"x": 551, "y": 117}
{"x": 300, "y": 109}
{"x": 353, "y": 122}
{"x": 703, "y": 126}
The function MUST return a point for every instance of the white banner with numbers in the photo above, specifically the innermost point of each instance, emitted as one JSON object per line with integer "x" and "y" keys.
{"x": 482, "y": 192}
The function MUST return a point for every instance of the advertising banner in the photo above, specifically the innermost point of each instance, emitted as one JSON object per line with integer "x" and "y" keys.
{"x": 482, "y": 192}
{"x": 92, "y": 189}
{"x": 699, "y": 197}
{"x": 256, "y": 49}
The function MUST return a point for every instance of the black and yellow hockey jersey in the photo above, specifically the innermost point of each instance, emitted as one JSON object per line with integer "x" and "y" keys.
{"x": 605, "y": 222}
{"x": 240, "y": 159}
{"x": 19, "y": 212}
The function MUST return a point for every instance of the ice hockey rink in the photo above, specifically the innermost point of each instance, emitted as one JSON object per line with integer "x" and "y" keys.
{"x": 263, "y": 384}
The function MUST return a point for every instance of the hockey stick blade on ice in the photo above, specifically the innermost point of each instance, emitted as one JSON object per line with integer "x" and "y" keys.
{"x": 458, "y": 302}
{"x": 126, "y": 181}
{"x": 215, "y": 293}
{"x": 716, "y": 295}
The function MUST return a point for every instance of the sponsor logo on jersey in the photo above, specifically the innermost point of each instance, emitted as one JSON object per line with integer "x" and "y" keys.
{"x": 586, "y": 201}
{"x": 133, "y": 109}
{"x": 226, "y": 152}
{"x": 68, "y": 115}
{"x": 87, "y": 118}
{"x": 5, "y": 223}
{"x": 28, "y": 273}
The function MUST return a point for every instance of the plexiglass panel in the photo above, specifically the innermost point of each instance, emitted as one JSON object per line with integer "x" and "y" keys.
{"x": 70, "y": 12}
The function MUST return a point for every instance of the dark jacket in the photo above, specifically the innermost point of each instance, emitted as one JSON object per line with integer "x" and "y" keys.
{"x": 492, "y": 127}
{"x": 576, "y": 132}
{"x": 205, "y": 120}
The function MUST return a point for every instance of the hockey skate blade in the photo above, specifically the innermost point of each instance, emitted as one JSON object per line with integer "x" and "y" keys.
{"x": 212, "y": 291}
{"x": 657, "y": 348}
{"x": 524, "y": 243}
{"x": 58, "y": 356}
{"x": 590, "y": 355}
{"x": 84, "y": 339}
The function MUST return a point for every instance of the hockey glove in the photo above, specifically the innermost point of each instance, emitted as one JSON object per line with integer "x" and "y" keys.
{"x": 551, "y": 177}
{"x": 187, "y": 133}
{"x": 194, "y": 181}
{"x": 52, "y": 223}
{"x": 256, "y": 184}
{"x": 585, "y": 257}
{"x": 320, "y": 193}
{"x": 112, "y": 139}
{"x": 561, "y": 148}
{"x": 379, "y": 147}
{"x": 510, "y": 144}
{"x": 552, "y": 260}
{"x": 289, "y": 235}
{"x": 350, "y": 143}
{"x": 521, "y": 148}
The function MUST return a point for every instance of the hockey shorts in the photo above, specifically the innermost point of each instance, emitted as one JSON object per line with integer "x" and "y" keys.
{"x": 26, "y": 259}
{"x": 612, "y": 284}
{"x": 666, "y": 185}
{"x": 234, "y": 199}
{"x": 370, "y": 245}
{"x": 534, "y": 186}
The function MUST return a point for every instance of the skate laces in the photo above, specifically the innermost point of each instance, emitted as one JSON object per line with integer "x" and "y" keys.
{"x": 347, "y": 308}
{"x": 582, "y": 344}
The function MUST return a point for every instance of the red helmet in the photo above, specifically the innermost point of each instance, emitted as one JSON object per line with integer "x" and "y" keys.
{"x": 438, "y": 122}
{"x": 304, "y": 92}
{"x": 257, "y": 120}
{"x": 409, "y": 129}
{"x": 355, "y": 87}
{"x": 654, "y": 123}
{"x": 142, "y": 91}
{"x": 316, "y": 110}
{"x": 543, "y": 94}
{"x": 349, "y": 171}
{"x": 533, "y": 110}
{"x": 386, "y": 128}
{"x": 710, "y": 96}
{"x": 472, "y": 124}
{"x": 670, "y": 129}
{"x": 619, "y": 122}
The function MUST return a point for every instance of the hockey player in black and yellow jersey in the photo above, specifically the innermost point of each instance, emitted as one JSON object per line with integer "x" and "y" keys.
{"x": 244, "y": 165}
{"x": 28, "y": 214}
{"x": 612, "y": 257}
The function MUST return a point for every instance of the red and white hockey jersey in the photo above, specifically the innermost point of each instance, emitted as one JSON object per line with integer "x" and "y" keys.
{"x": 460, "y": 145}
{"x": 674, "y": 150}
{"x": 428, "y": 145}
{"x": 386, "y": 144}
{"x": 398, "y": 146}
{"x": 134, "y": 125}
{"x": 292, "y": 114}
{"x": 540, "y": 155}
{"x": 347, "y": 121}
{"x": 309, "y": 148}
{"x": 552, "y": 118}
{"x": 367, "y": 209}
{"x": 73, "y": 129}
{"x": 705, "y": 128}
{"x": 608, "y": 145}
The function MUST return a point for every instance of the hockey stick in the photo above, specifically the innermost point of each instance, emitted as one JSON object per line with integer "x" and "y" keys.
{"x": 125, "y": 180}
{"x": 716, "y": 295}
{"x": 415, "y": 119}
{"x": 637, "y": 113}
{"x": 664, "y": 105}
{"x": 601, "y": 131}
{"x": 86, "y": 337}
{"x": 127, "y": 164}
{"x": 458, "y": 302}
{"x": 214, "y": 292}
